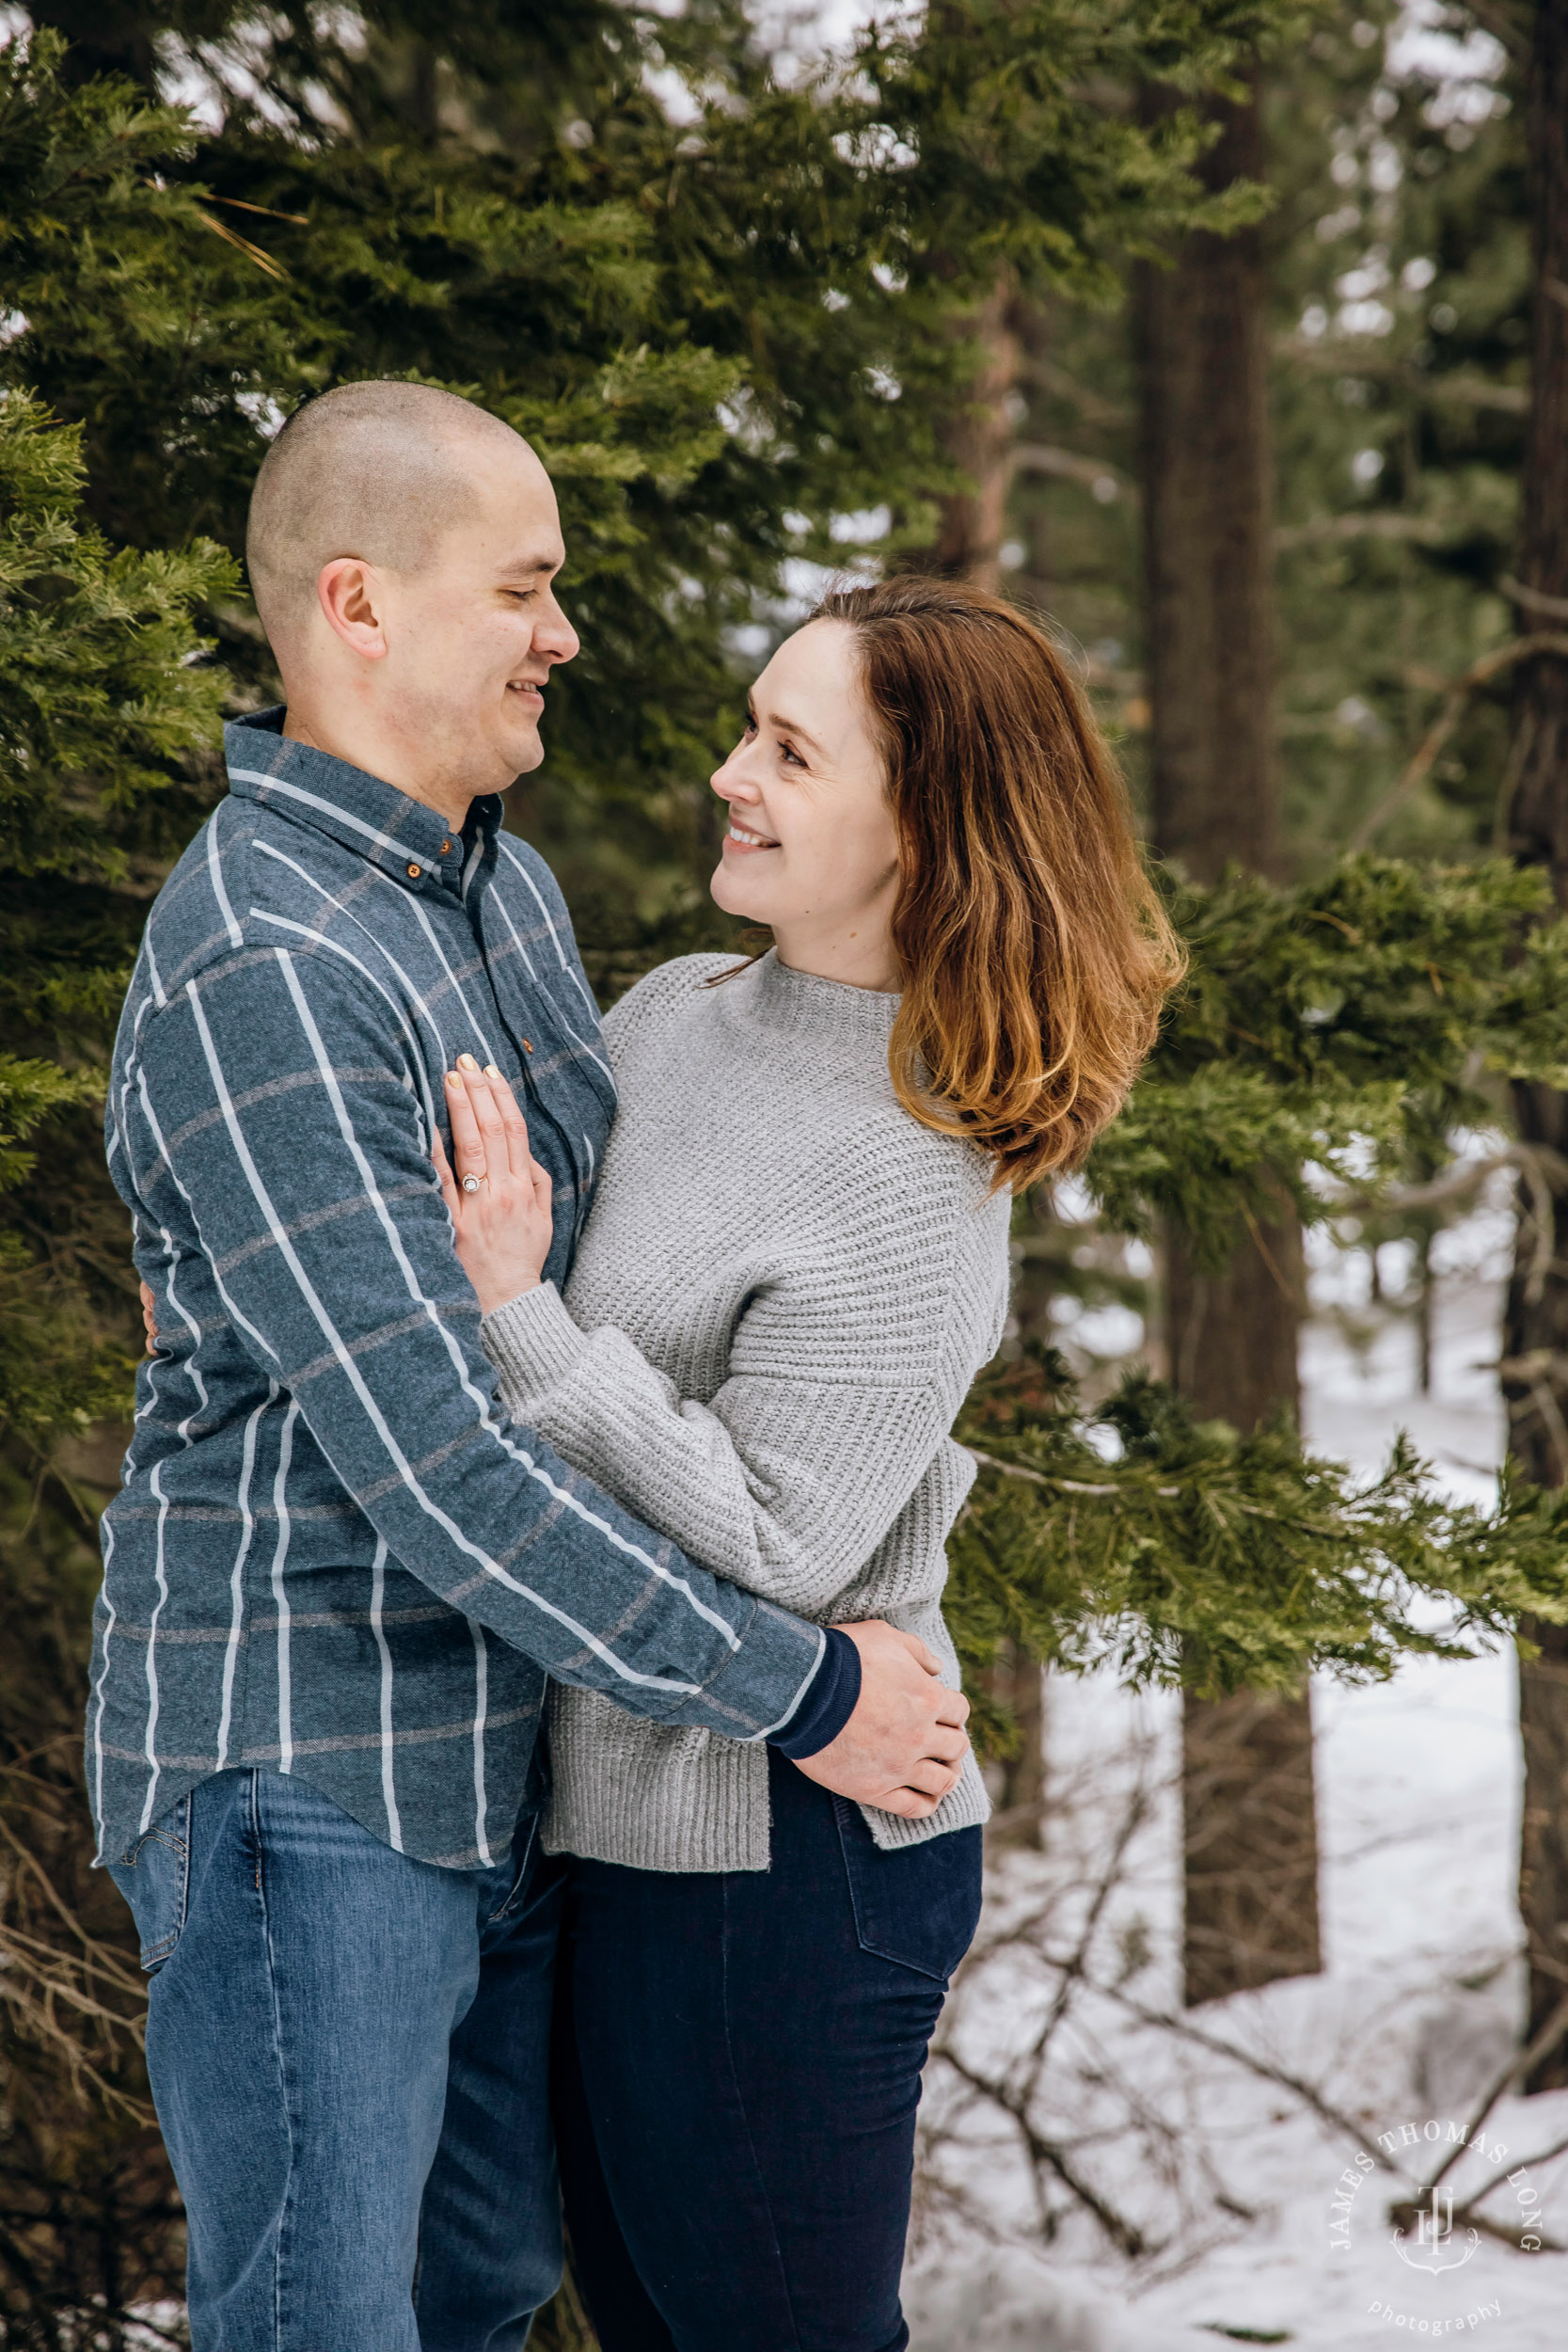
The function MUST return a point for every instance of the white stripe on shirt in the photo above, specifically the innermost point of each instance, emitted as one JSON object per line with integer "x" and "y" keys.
{"x": 214, "y": 870}
{"x": 155, "y": 1484}
{"x": 104, "y": 1675}
{"x": 280, "y": 1591}
{"x": 377, "y": 1419}
{"x": 328, "y": 808}
{"x": 389, "y": 1778}
{"x": 539, "y": 901}
{"x": 482, "y": 1709}
{"x": 428, "y": 927}
{"x": 476, "y": 1396}
{"x": 236, "y": 1580}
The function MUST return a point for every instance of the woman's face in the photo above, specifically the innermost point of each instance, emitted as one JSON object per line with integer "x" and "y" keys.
{"x": 812, "y": 848}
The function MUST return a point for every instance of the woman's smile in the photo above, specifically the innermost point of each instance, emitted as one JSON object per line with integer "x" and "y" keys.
{"x": 739, "y": 838}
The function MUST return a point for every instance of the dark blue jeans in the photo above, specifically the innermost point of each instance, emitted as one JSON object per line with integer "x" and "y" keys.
{"x": 739, "y": 2060}
{"x": 338, "y": 2036}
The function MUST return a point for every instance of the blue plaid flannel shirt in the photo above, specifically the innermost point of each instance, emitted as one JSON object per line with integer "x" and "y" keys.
{"x": 333, "y": 1554}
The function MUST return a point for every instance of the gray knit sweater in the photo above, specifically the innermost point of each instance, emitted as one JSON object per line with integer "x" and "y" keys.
{"x": 783, "y": 1293}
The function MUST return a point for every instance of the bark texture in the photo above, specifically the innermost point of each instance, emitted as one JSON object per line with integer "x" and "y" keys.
{"x": 980, "y": 440}
{"x": 1019, "y": 1795}
{"x": 1535, "y": 1340}
{"x": 1250, "y": 1831}
{"x": 1208, "y": 547}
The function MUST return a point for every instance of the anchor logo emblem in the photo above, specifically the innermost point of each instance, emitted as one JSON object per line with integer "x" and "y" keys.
{"x": 1432, "y": 2246}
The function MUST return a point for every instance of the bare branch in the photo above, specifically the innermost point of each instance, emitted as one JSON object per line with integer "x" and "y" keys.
{"x": 1068, "y": 464}
{"x": 1332, "y": 530}
{"x": 1466, "y": 1176}
{"x": 1534, "y": 600}
{"x": 1059, "y": 1485}
{"x": 1124, "y": 2235}
{"x": 1047, "y": 377}
{"x": 1307, "y": 2092}
{"x": 1506, "y": 2080}
{"x": 1481, "y": 674}
{"x": 1330, "y": 356}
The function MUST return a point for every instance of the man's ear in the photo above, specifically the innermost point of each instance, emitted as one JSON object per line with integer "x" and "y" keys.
{"x": 349, "y": 592}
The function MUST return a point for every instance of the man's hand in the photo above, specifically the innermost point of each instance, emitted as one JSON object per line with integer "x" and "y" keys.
{"x": 150, "y": 1319}
{"x": 903, "y": 1747}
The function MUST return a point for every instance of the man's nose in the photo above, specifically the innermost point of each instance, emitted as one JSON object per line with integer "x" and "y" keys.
{"x": 555, "y": 636}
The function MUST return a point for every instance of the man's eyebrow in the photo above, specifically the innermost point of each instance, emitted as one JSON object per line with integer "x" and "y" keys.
{"x": 528, "y": 566}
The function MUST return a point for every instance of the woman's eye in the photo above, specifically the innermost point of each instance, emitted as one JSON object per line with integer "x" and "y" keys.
{"x": 788, "y": 752}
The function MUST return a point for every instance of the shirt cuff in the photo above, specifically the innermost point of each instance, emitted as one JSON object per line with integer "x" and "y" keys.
{"x": 832, "y": 1697}
{"x": 532, "y": 1342}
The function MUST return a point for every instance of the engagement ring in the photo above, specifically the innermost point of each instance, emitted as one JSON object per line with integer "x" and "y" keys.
{"x": 472, "y": 1184}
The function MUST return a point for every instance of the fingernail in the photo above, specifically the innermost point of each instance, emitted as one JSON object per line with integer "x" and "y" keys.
{"x": 491, "y": 1072}
{"x": 453, "y": 1078}
{"x": 466, "y": 1061}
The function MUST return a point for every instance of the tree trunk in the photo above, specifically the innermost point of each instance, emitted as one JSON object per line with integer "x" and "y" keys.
{"x": 1249, "y": 1819}
{"x": 1019, "y": 1682}
{"x": 1249, "y": 1826}
{"x": 1535, "y": 1340}
{"x": 980, "y": 439}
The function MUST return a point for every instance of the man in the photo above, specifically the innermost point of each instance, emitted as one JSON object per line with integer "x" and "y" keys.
{"x": 335, "y": 1572}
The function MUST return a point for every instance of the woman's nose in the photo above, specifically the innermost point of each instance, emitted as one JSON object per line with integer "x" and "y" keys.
{"x": 729, "y": 785}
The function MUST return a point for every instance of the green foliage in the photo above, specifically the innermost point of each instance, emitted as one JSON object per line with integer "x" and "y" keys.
{"x": 99, "y": 687}
{"x": 1181, "y": 1554}
{"x": 1013, "y": 164}
{"x": 1342, "y": 1028}
{"x": 722, "y": 332}
{"x": 727, "y": 327}
{"x": 107, "y": 698}
{"x": 733, "y": 326}
{"x": 101, "y": 691}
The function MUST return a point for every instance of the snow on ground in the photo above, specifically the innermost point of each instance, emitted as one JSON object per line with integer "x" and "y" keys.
{"x": 1223, "y": 2167}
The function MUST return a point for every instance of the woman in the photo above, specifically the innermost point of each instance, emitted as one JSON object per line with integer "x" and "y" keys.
{"x": 796, "y": 1263}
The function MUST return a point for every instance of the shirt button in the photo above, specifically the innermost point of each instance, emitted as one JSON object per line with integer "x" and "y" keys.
{"x": 445, "y": 847}
{"x": 413, "y": 873}
{"x": 527, "y": 1047}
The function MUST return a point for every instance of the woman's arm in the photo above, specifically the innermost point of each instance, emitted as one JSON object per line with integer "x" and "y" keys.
{"x": 785, "y": 1484}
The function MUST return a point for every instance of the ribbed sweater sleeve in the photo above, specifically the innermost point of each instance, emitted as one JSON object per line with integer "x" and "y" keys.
{"x": 786, "y": 1482}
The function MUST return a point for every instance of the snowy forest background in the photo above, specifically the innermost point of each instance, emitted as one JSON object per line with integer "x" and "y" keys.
{"x": 1233, "y": 338}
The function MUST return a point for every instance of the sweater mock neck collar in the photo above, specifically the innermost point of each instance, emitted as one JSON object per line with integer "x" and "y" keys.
{"x": 831, "y": 1011}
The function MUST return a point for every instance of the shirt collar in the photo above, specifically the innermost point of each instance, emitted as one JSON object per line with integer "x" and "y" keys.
{"x": 406, "y": 839}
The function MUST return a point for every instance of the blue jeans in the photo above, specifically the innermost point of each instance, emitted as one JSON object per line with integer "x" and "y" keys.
{"x": 738, "y": 2068}
{"x": 339, "y": 2036}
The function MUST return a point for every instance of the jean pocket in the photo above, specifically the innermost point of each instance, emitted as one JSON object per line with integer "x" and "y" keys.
{"x": 155, "y": 1877}
{"x": 917, "y": 1905}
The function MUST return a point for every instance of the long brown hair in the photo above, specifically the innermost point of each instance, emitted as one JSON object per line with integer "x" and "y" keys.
{"x": 1034, "y": 953}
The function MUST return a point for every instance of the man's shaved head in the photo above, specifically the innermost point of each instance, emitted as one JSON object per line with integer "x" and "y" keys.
{"x": 404, "y": 548}
{"x": 381, "y": 471}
